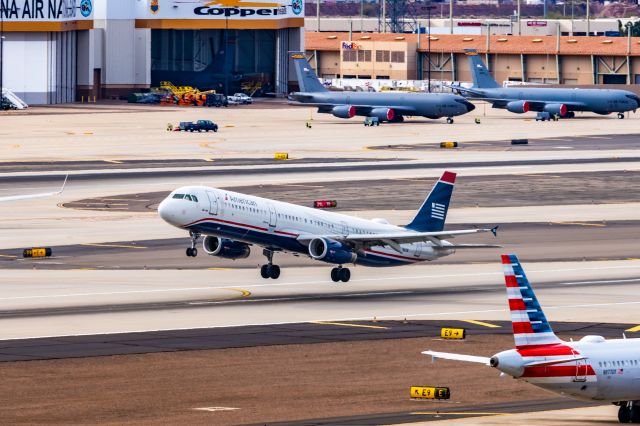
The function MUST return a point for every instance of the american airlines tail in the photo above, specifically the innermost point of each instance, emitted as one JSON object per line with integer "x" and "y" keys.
{"x": 307, "y": 78}
{"x": 433, "y": 213}
{"x": 530, "y": 326}
{"x": 481, "y": 76}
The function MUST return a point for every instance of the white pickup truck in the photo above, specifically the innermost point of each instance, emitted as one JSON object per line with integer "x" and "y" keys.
{"x": 240, "y": 98}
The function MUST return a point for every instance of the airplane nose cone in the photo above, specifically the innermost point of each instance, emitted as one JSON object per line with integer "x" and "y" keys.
{"x": 470, "y": 106}
{"x": 167, "y": 213}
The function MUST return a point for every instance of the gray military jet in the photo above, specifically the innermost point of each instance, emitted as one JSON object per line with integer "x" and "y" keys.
{"x": 391, "y": 107}
{"x": 556, "y": 101}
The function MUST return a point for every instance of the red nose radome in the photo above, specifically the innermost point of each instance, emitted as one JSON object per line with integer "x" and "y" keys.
{"x": 352, "y": 111}
{"x": 525, "y": 106}
{"x": 390, "y": 114}
{"x": 448, "y": 177}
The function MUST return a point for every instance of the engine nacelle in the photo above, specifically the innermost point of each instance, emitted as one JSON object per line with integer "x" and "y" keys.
{"x": 519, "y": 107}
{"x": 343, "y": 111}
{"x": 556, "y": 109}
{"x": 331, "y": 251}
{"x": 383, "y": 114}
{"x": 227, "y": 249}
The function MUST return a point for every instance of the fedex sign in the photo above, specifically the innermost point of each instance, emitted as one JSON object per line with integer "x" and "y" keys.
{"x": 350, "y": 45}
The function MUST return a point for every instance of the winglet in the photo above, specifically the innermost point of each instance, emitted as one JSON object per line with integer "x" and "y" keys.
{"x": 494, "y": 230}
{"x": 63, "y": 184}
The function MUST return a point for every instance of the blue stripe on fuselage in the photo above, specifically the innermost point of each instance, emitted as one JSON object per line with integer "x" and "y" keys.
{"x": 287, "y": 243}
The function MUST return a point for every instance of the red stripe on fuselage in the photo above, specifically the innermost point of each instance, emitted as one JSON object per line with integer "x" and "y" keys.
{"x": 558, "y": 371}
{"x": 397, "y": 256}
{"x": 228, "y": 222}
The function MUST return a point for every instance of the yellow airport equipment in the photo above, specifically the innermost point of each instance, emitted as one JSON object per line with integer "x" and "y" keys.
{"x": 453, "y": 333}
{"x": 178, "y": 90}
{"x": 281, "y": 156}
{"x": 448, "y": 144}
{"x": 430, "y": 392}
{"x": 37, "y": 252}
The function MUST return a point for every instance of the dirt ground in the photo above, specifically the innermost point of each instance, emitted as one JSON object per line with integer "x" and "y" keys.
{"x": 265, "y": 384}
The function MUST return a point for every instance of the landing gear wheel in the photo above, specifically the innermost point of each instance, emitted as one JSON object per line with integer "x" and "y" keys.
{"x": 621, "y": 115}
{"x": 624, "y": 413}
{"x": 335, "y": 275}
{"x": 449, "y": 120}
{"x": 345, "y": 275}
{"x": 274, "y": 272}
{"x": 192, "y": 252}
{"x": 264, "y": 271}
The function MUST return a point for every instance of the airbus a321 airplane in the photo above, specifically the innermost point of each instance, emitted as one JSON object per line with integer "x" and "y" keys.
{"x": 591, "y": 369}
{"x": 231, "y": 222}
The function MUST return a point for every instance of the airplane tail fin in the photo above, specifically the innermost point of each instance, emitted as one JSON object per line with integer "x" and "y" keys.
{"x": 307, "y": 78}
{"x": 433, "y": 212}
{"x": 481, "y": 76}
{"x": 530, "y": 326}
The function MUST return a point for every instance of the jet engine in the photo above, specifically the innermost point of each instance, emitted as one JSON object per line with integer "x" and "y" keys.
{"x": 331, "y": 251}
{"x": 383, "y": 114}
{"x": 518, "y": 107}
{"x": 556, "y": 109}
{"x": 343, "y": 111}
{"x": 227, "y": 249}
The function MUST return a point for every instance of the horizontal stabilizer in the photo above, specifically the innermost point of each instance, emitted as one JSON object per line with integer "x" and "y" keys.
{"x": 458, "y": 357}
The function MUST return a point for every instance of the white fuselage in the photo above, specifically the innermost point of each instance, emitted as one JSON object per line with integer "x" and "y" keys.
{"x": 284, "y": 226}
{"x": 610, "y": 372}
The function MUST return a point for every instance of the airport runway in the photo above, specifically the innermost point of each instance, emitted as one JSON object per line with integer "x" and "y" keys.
{"x": 408, "y": 193}
{"x": 536, "y": 242}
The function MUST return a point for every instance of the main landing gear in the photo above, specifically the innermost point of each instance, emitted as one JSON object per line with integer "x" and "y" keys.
{"x": 449, "y": 120}
{"x": 269, "y": 270}
{"x": 340, "y": 274}
{"x": 629, "y": 411}
{"x": 621, "y": 115}
{"x": 193, "y": 251}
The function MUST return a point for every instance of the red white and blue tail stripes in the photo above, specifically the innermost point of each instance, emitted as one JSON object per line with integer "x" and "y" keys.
{"x": 530, "y": 326}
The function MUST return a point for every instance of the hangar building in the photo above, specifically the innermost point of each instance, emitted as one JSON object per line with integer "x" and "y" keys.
{"x": 57, "y": 51}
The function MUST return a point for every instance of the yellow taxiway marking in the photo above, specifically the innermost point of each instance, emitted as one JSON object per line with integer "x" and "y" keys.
{"x": 633, "y": 329}
{"x": 597, "y": 225}
{"x": 461, "y": 413}
{"x": 7, "y": 255}
{"x": 484, "y": 324}
{"x": 112, "y": 245}
{"x": 113, "y": 161}
{"x": 83, "y": 269}
{"x": 218, "y": 269}
{"x": 344, "y": 324}
{"x": 244, "y": 293}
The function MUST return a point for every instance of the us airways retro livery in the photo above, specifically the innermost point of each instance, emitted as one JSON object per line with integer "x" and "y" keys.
{"x": 591, "y": 369}
{"x": 232, "y": 222}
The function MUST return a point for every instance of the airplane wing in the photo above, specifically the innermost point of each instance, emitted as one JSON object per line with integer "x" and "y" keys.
{"x": 30, "y": 196}
{"x": 396, "y": 239}
{"x": 458, "y": 357}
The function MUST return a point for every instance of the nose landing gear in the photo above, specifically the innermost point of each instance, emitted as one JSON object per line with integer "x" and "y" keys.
{"x": 269, "y": 270}
{"x": 621, "y": 115}
{"x": 193, "y": 251}
{"x": 340, "y": 274}
{"x": 449, "y": 120}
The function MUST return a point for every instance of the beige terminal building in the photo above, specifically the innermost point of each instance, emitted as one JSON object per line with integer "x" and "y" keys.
{"x": 570, "y": 60}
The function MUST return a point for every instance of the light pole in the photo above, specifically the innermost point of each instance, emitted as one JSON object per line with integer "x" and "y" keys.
{"x": 428, "y": 47}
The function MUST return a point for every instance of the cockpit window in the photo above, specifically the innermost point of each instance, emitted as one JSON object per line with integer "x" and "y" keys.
{"x": 187, "y": 197}
{"x": 194, "y": 198}
{"x": 178, "y": 196}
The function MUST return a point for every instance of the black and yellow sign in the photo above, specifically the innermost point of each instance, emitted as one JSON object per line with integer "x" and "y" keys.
{"x": 430, "y": 392}
{"x": 37, "y": 252}
{"x": 453, "y": 333}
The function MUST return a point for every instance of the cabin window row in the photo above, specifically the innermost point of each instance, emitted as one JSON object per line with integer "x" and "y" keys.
{"x": 621, "y": 363}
